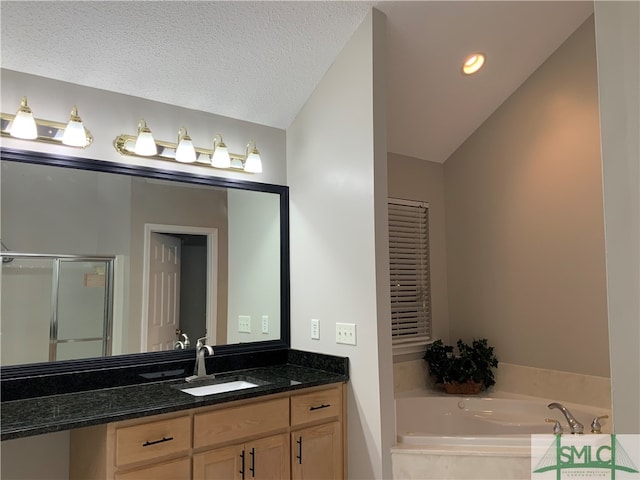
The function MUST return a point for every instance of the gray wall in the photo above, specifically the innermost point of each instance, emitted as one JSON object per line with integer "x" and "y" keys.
{"x": 525, "y": 231}
{"x": 254, "y": 246}
{"x": 156, "y": 203}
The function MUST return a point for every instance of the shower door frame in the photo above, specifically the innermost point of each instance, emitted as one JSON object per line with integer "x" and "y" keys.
{"x": 107, "y": 333}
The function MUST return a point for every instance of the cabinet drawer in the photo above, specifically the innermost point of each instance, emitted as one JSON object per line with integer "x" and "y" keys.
{"x": 175, "y": 470}
{"x": 319, "y": 405}
{"x": 238, "y": 423}
{"x": 152, "y": 440}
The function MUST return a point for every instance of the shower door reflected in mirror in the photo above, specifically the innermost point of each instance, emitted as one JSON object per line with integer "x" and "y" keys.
{"x": 60, "y": 308}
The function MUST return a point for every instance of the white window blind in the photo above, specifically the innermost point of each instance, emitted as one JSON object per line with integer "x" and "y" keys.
{"x": 409, "y": 269}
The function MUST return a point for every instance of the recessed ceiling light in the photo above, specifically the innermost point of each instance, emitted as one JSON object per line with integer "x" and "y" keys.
{"x": 473, "y": 63}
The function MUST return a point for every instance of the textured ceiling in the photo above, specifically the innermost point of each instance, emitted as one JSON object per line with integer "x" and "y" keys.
{"x": 260, "y": 61}
{"x": 256, "y": 61}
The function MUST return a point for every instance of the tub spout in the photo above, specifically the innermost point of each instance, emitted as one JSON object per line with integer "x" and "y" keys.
{"x": 574, "y": 425}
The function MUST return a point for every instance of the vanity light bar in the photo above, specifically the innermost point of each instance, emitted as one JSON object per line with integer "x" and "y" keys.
{"x": 38, "y": 130}
{"x": 125, "y": 145}
{"x": 130, "y": 145}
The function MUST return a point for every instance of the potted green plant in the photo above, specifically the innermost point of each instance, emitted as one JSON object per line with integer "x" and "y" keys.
{"x": 467, "y": 371}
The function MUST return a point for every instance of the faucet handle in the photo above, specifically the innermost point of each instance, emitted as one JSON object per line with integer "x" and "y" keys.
{"x": 201, "y": 342}
{"x": 557, "y": 428}
{"x": 595, "y": 425}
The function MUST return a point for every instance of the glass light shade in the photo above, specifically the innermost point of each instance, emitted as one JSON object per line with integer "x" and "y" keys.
{"x": 145, "y": 144}
{"x": 74, "y": 134}
{"x": 220, "y": 157}
{"x": 253, "y": 163}
{"x": 185, "y": 152}
{"x": 24, "y": 125}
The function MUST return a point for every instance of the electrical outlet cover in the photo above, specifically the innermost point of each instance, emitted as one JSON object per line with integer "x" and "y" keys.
{"x": 315, "y": 329}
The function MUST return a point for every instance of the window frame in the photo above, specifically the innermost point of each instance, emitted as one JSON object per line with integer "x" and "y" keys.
{"x": 422, "y": 333}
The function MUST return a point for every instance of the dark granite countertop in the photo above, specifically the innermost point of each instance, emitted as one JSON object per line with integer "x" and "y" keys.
{"x": 34, "y": 416}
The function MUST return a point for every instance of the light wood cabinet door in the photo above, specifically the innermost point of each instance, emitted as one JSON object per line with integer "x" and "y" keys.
{"x": 268, "y": 458}
{"x": 263, "y": 459}
{"x": 316, "y": 453}
{"x": 219, "y": 464}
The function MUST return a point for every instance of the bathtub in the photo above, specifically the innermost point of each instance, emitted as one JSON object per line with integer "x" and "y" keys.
{"x": 475, "y": 437}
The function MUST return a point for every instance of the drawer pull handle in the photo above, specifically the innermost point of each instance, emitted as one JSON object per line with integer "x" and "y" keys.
{"x": 299, "y": 456}
{"x": 311, "y": 409}
{"x": 155, "y": 442}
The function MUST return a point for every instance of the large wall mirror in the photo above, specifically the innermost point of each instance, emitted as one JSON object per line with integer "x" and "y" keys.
{"x": 102, "y": 262}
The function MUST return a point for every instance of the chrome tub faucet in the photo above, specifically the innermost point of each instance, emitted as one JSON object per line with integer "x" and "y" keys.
{"x": 574, "y": 425}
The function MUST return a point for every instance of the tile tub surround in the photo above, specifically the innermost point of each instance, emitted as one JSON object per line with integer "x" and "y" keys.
{"x": 415, "y": 464}
{"x": 537, "y": 382}
{"x": 561, "y": 386}
{"x": 51, "y": 413}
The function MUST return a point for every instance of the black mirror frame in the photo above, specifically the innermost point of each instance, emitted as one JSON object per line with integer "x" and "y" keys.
{"x": 136, "y": 359}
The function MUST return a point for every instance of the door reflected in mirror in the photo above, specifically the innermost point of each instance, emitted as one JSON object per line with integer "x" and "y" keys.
{"x": 190, "y": 260}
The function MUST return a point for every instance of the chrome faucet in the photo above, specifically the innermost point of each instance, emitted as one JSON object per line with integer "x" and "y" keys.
{"x": 200, "y": 368}
{"x": 183, "y": 343}
{"x": 574, "y": 425}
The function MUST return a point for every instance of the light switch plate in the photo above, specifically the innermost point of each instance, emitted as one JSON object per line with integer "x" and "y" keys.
{"x": 346, "y": 333}
{"x": 315, "y": 329}
{"x": 244, "y": 323}
{"x": 265, "y": 323}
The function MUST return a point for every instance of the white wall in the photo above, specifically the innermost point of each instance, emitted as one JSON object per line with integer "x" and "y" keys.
{"x": 618, "y": 52}
{"x": 337, "y": 177}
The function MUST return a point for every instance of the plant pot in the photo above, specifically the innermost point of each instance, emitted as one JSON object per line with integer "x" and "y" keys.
{"x": 467, "y": 388}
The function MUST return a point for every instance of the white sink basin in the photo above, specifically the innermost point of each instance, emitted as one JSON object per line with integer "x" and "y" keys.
{"x": 218, "y": 388}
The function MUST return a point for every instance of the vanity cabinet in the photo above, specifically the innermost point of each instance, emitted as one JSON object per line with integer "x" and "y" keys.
{"x": 300, "y": 435}
{"x": 317, "y": 443}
